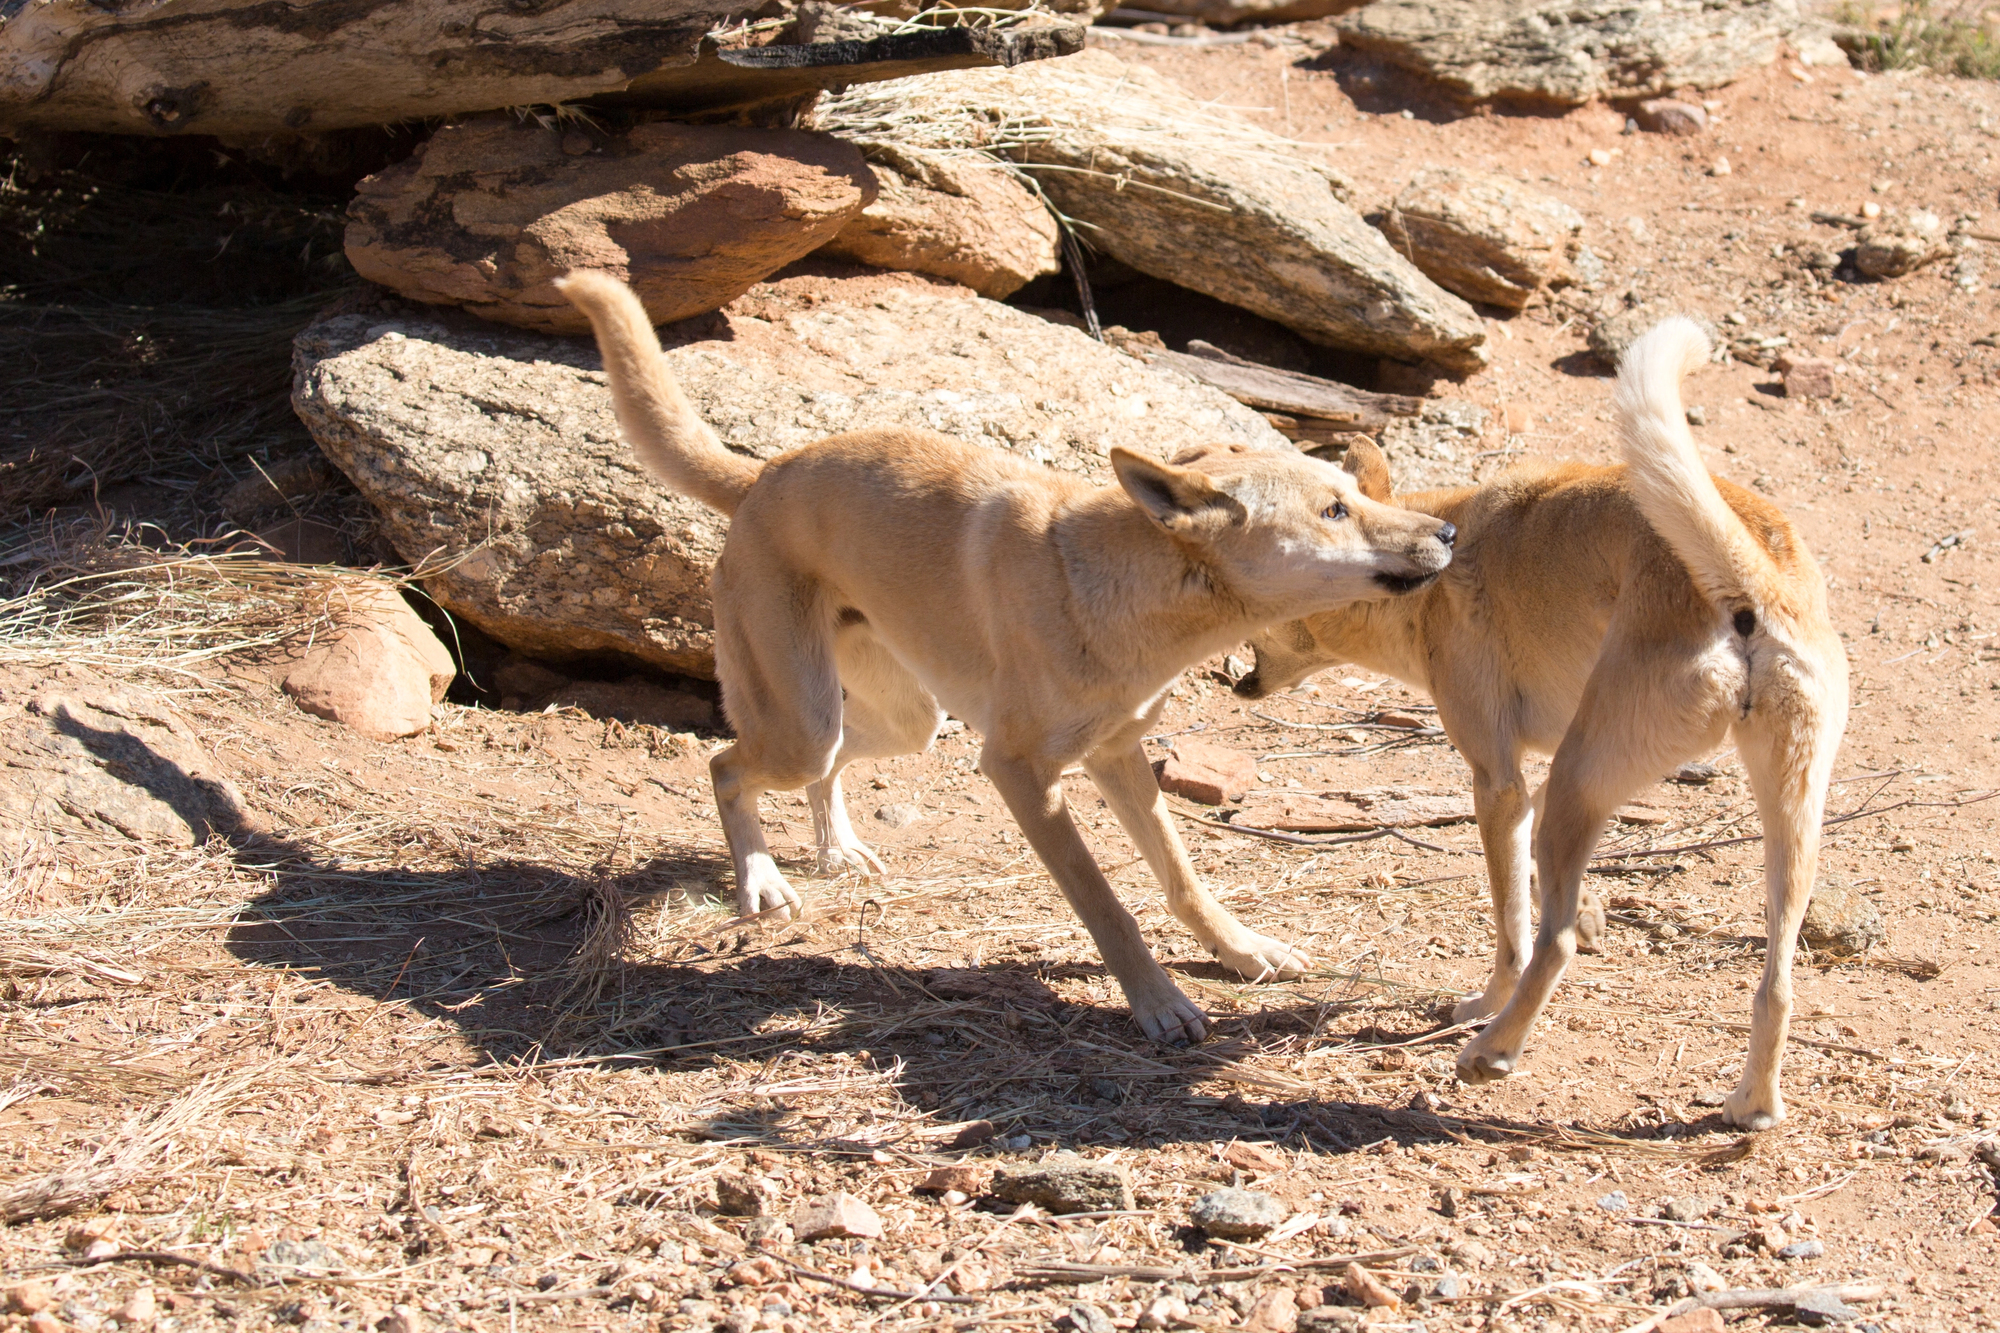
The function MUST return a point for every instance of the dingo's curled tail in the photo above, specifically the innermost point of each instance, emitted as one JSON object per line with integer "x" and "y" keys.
{"x": 663, "y": 428}
{"x": 1672, "y": 487}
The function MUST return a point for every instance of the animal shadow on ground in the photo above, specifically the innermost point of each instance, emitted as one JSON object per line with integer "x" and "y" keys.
{"x": 529, "y": 962}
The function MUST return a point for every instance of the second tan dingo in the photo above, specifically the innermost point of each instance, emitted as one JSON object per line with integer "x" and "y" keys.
{"x": 1625, "y": 620}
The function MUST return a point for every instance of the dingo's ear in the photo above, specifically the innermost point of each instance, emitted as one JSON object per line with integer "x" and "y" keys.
{"x": 1364, "y": 462}
{"x": 1173, "y": 497}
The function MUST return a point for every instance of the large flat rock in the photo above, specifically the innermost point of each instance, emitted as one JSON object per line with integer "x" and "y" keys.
{"x": 495, "y": 454}
{"x": 488, "y": 213}
{"x": 1182, "y": 191}
{"x": 1567, "y": 52}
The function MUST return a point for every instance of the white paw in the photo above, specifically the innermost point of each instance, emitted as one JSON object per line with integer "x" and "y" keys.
{"x": 856, "y": 856}
{"x": 1261, "y": 958}
{"x": 1174, "y": 1021}
{"x": 1750, "y": 1110}
{"x": 763, "y": 889}
{"x": 1480, "y": 1063}
{"x": 1483, "y": 1005}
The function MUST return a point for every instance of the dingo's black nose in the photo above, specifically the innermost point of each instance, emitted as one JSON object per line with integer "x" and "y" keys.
{"x": 1447, "y": 534}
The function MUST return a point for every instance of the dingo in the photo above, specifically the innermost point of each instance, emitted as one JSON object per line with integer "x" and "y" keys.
{"x": 1624, "y": 619}
{"x": 875, "y": 579}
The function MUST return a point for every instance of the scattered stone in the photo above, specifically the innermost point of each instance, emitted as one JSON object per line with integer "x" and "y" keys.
{"x": 1066, "y": 1183}
{"x": 402, "y": 1319}
{"x": 303, "y": 1255}
{"x": 1087, "y": 1318}
{"x": 139, "y": 1310}
{"x": 1702, "y": 1278}
{"x": 1615, "y": 1202}
{"x": 1710, "y": 1097}
{"x": 1684, "y": 1210}
{"x": 965, "y": 1177}
{"x": 1485, "y": 237}
{"x": 499, "y": 453}
{"x": 1235, "y": 1214}
{"x": 1699, "y": 1320}
{"x": 82, "y": 1235}
{"x": 1720, "y": 167}
{"x": 1892, "y": 246}
{"x": 1554, "y": 53}
{"x": 970, "y": 223}
{"x": 1144, "y": 167}
{"x": 898, "y": 816}
{"x": 1644, "y": 816}
{"x": 1251, "y": 1158}
{"x": 1801, "y": 1249}
{"x": 1665, "y": 115}
{"x": 1363, "y": 1287}
{"x": 741, "y": 1195}
{"x": 1770, "y": 1239}
{"x": 1842, "y": 920}
{"x": 489, "y": 211}
{"x": 1449, "y": 1287}
{"x": 1472, "y": 1253}
{"x": 1275, "y": 1312}
{"x": 834, "y": 1215}
{"x": 1330, "y": 1319}
{"x": 1164, "y": 1312}
{"x": 1806, "y": 376}
{"x": 42, "y": 1321}
{"x": 378, "y": 669}
{"x": 972, "y": 1133}
{"x": 1207, "y": 774}
{"x": 1696, "y": 775}
{"x": 1612, "y": 334}
{"x": 29, "y": 1297}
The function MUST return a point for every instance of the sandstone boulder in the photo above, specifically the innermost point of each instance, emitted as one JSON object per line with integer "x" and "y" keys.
{"x": 1207, "y": 774}
{"x": 82, "y": 754}
{"x": 957, "y": 217}
{"x": 494, "y": 455}
{"x": 1565, "y": 54}
{"x": 1667, "y": 115}
{"x": 1842, "y": 920}
{"x": 1484, "y": 237}
{"x": 487, "y": 213}
{"x": 1894, "y": 245}
{"x": 1227, "y": 13}
{"x": 1179, "y": 190}
{"x": 378, "y": 669}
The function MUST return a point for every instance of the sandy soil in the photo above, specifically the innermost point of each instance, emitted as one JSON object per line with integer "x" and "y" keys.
{"x": 408, "y": 1060}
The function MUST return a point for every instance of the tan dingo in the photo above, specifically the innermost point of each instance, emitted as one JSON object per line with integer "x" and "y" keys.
{"x": 1624, "y": 619}
{"x": 873, "y": 580}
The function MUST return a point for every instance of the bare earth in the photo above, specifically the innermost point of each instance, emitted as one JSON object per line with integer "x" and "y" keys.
{"x": 392, "y": 1041}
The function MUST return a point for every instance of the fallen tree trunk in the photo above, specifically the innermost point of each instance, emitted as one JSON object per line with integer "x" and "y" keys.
{"x": 247, "y": 70}
{"x": 1315, "y": 404}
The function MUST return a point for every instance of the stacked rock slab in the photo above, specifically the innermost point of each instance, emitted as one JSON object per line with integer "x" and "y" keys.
{"x": 1566, "y": 54}
{"x": 956, "y": 216}
{"x": 494, "y": 455}
{"x": 1182, "y": 192}
{"x": 1484, "y": 237}
{"x": 488, "y": 213}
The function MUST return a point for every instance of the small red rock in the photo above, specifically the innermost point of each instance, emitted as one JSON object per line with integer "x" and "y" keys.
{"x": 1207, "y": 774}
{"x": 1363, "y": 1286}
{"x": 44, "y": 1322}
{"x": 964, "y": 1177}
{"x": 1665, "y": 115}
{"x": 1250, "y": 1157}
{"x": 1695, "y": 1321}
{"x": 835, "y": 1215}
{"x": 28, "y": 1298}
{"x": 1807, "y": 376}
{"x": 1277, "y": 1312}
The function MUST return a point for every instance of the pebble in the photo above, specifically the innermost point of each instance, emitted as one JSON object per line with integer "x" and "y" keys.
{"x": 30, "y": 1297}
{"x": 1235, "y": 1214}
{"x": 310, "y": 1255}
{"x": 1600, "y": 157}
{"x": 1066, "y": 1183}
{"x": 1087, "y": 1318}
{"x": 898, "y": 815}
{"x": 1666, "y": 115}
{"x": 139, "y": 1309}
{"x": 1710, "y": 1097}
{"x": 1697, "y": 415}
{"x": 1842, "y": 920}
{"x": 739, "y": 1195}
{"x": 1449, "y": 1287}
{"x": 1703, "y": 1278}
{"x": 1703, "y": 1320}
{"x": 838, "y": 1214}
{"x": 406, "y": 1319}
{"x": 1472, "y": 1254}
{"x": 1363, "y": 1287}
{"x": 1684, "y": 1210}
{"x": 1802, "y": 1249}
{"x": 1615, "y": 1202}
{"x": 1721, "y": 167}
{"x": 43, "y": 1322}
{"x": 964, "y": 1177}
{"x": 1275, "y": 1312}
{"x": 1772, "y": 1239}
{"x": 1164, "y": 1312}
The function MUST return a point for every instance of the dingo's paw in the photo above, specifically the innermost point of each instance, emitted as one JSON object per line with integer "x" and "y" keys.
{"x": 764, "y": 889}
{"x": 1753, "y": 1109}
{"x": 840, "y": 858}
{"x": 1172, "y": 1019}
{"x": 1260, "y": 958}
{"x": 1480, "y": 1063}
{"x": 1483, "y": 1005}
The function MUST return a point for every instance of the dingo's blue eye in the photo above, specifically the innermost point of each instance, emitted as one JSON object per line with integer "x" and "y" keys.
{"x": 1335, "y": 511}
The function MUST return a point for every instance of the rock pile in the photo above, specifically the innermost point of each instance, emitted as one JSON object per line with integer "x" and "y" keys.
{"x": 953, "y": 216}
{"x": 1177, "y": 190}
{"x": 1484, "y": 237}
{"x": 494, "y": 456}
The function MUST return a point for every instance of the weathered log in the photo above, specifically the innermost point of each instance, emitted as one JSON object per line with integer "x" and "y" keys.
{"x": 246, "y": 70}
{"x": 1322, "y": 404}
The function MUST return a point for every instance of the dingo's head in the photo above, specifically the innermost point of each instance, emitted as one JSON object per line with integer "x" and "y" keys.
{"x": 1286, "y": 533}
{"x": 1288, "y": 652}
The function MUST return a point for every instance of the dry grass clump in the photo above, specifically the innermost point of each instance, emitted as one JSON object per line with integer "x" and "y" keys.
{"x": 1961, "y": 38}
